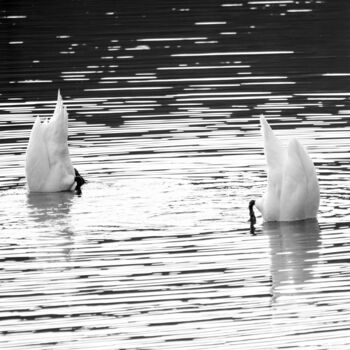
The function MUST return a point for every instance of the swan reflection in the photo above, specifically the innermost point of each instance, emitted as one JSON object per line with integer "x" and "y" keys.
{"x": 52, "y": 217}
{"x": 48, "y": 206}
{"x": 294, "y": 252}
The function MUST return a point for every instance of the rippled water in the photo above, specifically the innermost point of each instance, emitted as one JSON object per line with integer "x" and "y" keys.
{"x": 164, "y": 99}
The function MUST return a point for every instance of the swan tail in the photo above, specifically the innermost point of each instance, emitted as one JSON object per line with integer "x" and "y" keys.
{"x": 37, "y": 166}
{"x": 312, "y": 200}
{"x": 275, "y": 155}
{"x": 300, "y": 191}
{"x": 48, "y": 164}
{"x": 59, "y": 104}
{"x": 58, "y": 125}
{"x": 56, "y": 136}
{"x": 274, "y": 151}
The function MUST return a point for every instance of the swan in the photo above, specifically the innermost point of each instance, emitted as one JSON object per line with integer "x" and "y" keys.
{"x": 48, "y": 165}
{"x": 292, "y": 188}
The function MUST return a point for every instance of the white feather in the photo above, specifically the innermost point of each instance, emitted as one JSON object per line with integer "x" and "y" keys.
{"x": 292, "y": 188}
{"x": 48, "y": 164}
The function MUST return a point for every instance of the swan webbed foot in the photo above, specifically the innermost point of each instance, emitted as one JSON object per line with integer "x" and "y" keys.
{"x": 80, "y": 181}
{"x": 252, "y": 218}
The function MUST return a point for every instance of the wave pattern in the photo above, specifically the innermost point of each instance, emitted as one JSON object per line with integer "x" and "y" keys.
{"x": 164, "y": 102}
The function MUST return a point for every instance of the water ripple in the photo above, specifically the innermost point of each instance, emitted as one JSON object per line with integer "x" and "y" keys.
{"x": 164, "y": 103}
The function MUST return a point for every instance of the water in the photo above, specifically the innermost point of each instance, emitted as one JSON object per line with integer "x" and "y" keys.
{"x": 164, "y": 100}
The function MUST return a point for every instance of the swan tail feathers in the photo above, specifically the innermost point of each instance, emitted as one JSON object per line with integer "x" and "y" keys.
{"x": 312, "y": 197}
{"x": 58, "y": 125}
{"x": 37, "y": 166}
{"x": 300, "y": 192}
{"x": 275, "y": 155}
{"x": 274, "y": 151}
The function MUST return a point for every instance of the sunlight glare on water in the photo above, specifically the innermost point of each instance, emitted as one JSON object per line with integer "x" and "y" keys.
{"x": 164, "y": 101}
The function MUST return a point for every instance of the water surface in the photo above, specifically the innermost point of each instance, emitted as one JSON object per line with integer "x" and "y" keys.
{"x": 164, "y": 101}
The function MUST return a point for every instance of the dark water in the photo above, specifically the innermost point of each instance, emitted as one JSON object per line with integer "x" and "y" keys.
{"x": 164, "y": 99}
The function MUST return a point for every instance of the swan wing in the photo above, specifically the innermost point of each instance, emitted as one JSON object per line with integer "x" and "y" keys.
{"x": 56, "y": 133}
{"x": 274, "y": 151}
{"x": 275, "y": 155}
{"x": 57, "y": 127}
{"x": 37, "y": 159}
{"x": 300, "y": 190}
{"x": 49, "y": 167}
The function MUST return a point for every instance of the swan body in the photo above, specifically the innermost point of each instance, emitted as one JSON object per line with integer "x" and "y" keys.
{"x": 292, "y": 187}
{"x": 48, "y": 164}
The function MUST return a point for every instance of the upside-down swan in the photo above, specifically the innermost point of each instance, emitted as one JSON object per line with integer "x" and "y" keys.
{"x": 48, "y": 164}
{"x": 292, "y": 187}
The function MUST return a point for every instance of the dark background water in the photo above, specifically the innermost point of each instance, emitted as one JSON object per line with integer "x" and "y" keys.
{"x": 163, "y": 100}
{"x": 72, "y": 35}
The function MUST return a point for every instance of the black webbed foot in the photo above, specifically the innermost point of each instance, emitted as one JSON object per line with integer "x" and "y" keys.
{"x": 252, "y": 218}
{"x": 80, "y": 181}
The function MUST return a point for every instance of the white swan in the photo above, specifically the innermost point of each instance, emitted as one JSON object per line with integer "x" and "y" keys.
{"x": 292, "y": 187}
{"x": 48, "y": 165}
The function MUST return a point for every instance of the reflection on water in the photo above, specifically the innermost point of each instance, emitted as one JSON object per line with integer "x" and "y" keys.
{"x": 295, "y": 248}
{"x": 163, "y": 100}
{"x": 45, "y": 207}
{"x": 53, "y": 210}
{"x": 308, "y": 296}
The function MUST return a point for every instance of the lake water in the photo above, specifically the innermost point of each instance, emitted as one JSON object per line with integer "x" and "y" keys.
{"x": 164, "y": 99}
